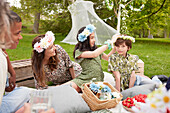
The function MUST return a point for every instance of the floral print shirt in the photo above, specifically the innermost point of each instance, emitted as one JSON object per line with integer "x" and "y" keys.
{"x": 125, "y": 66}
{"x": 61, "y": 74}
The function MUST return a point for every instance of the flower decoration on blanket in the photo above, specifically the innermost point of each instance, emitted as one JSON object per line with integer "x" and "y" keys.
{"x": 127, "y": 38}
{"x": 158, "y": 101}
{"x": 86, "y": 32}
{"x": 103, "y": 91}
{"x": 44, "y": 42}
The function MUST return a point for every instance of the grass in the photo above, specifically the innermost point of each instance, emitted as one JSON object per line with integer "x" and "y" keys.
{"x": 155, "y": 53}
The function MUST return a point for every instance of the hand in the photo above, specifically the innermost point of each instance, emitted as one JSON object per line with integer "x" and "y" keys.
{"x": 27, "y": 109}
{"x": 9, "y": 88}
{"x": 12, "y": 81}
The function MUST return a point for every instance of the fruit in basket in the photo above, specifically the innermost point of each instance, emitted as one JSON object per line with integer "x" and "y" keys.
{"x": 140, "y": 98}
{"x": 134, "y": 101}
{"x": 128, "y": 102}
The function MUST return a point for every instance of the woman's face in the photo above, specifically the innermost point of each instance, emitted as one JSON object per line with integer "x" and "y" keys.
{"x": 122, "y": 49}
{"x": 50, "y": 51}
{"x": 92, "y": 40}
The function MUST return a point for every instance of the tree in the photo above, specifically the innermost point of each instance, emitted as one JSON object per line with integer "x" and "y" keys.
{"x": 36, "y": 8}
{"x": 133, "y": 16}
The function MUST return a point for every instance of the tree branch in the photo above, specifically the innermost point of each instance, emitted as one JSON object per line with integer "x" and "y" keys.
{"x": 152, "y": 13}
{"x": 128, "y": 3}
{"x": 115, "y": 12}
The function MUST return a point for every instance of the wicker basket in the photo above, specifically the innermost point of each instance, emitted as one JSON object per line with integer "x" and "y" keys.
{"x": 94, "y": 102}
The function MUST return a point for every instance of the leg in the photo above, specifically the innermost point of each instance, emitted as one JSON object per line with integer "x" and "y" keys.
{"x": 75, "y": 86}
{"x": 144, "y": 76}
{"x": 15, "y": 100}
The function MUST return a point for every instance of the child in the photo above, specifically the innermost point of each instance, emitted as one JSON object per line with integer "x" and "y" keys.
{"x": 123, "y": 65}
{"x": 89, "y": 56}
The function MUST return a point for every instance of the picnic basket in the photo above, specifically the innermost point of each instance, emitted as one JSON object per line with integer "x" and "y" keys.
{"x": 94, "y": 102}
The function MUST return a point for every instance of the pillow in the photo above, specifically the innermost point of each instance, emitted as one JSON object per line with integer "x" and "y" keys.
{"x": 66, "y": 99}
{"x": 149, "y": 81}
{"x": 136, "y": 90}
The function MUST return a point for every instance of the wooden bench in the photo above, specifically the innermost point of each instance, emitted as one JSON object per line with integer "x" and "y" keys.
{"x": 24, "y": 75}
{"x": 140, "y": 64}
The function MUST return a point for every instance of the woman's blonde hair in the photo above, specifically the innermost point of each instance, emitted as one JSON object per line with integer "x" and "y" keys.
{"x": 5, "y": 36}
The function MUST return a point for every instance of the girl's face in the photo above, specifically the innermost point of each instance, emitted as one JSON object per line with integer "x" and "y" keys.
{"x": 50, "y": 51}
{"x": 122, "y": 49}
{"x": 92, "y": 40}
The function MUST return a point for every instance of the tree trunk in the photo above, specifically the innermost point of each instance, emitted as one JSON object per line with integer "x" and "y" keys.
{"x": 36, "y": 23}
{"x": 140, "y": 33}
{"x": 149, "y": 34}
{"x": 119, "y": 18}
{"x": 143, "y": 32}
{"x": 165, "y": 35}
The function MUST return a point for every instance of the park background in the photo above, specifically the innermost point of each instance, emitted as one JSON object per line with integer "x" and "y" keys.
{"x": 150, "y": 26}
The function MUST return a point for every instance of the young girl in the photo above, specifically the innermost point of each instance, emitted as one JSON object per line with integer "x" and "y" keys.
{"x": 89, "y": 57}
{"x": 123, "y": 65}
{"x": 51, "y": 63}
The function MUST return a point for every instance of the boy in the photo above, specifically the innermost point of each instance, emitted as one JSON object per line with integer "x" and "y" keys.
{"x": 122, "y": 64}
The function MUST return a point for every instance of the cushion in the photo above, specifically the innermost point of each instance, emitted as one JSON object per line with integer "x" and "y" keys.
{"x": 66, "y": 99}
{"x": 136, "y": 90}
{"x": 149, "y": 81}
{"x": 109, "y": 78}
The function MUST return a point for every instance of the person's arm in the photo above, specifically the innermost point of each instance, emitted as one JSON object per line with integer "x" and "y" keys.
{"x": 100, "y": 50}
{"x": 72, "y": 72}
{"x": 12, "y": 78}
{"x": 27, "y": 109}
{"x": 106, "y": 57}
{"x": 117, "y": 79}
{"x": 132, "y": 79}
{"x": 95, "y": 53}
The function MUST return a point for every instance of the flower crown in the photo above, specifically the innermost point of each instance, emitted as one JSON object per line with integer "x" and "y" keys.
{"x": 127, "y": 38}
{"x": 86, "y": 32}
{"x": 44, "y": 42}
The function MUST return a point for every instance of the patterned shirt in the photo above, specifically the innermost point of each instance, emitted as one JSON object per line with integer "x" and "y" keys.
{"x": 125, "y": 66}
{"x": 61, "y": 74}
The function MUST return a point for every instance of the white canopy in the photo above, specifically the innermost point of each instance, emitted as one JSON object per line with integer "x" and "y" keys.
{"x": 82, "y": 13}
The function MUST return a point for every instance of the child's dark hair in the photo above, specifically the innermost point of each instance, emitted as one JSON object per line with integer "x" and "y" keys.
{"x": 14, "y": 17}
{"x": 121, "y": 41}
{"x": 83, "y": 46}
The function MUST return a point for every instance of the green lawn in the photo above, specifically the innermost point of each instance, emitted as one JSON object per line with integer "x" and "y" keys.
{"x": 155, "y": 53}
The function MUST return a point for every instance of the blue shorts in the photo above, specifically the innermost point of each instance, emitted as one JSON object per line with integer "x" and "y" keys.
{"x": 142, "y": 80}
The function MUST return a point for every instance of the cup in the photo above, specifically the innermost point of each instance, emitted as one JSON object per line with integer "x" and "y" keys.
{"x": 40, "y": 101}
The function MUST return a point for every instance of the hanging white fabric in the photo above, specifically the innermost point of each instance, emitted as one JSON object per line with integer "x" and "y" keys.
{"x": 82, "y": 14}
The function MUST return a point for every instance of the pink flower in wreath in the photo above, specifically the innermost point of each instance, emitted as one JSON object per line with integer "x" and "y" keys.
{"x": 37, "y": 47}
{"x": 50, "y": 37}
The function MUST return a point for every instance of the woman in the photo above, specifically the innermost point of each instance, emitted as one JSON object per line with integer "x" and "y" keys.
{"x": 89, "y": 56}
{"x": 51, "y": 63}
{"x": 10, "y": 34}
